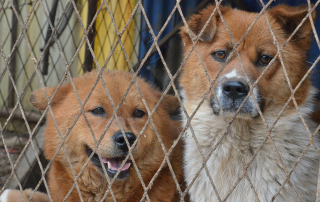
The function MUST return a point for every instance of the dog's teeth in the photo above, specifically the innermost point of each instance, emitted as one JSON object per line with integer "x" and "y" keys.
{"x": 114, "y": 164}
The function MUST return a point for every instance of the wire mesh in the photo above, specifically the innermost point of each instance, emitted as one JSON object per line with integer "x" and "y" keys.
{"x": 110, "y": 38}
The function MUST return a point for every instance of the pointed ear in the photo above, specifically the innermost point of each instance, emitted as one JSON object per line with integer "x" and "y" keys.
{"x": 171, "y": 105}
{"x": 39, "y": 100}
{"x": 290, "y": 18}
{"x": 197, "y": 21}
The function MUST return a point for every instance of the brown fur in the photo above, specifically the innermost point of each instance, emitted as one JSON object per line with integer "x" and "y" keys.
{"x": 283, "y": 20}
{"x": 148, "y": 153}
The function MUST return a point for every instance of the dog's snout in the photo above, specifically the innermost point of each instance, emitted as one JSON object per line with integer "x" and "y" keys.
{"x": 235, "y": 89}
{"x": 120, "y": 141}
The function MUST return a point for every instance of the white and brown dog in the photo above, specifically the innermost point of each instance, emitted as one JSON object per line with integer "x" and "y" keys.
{"x": 238, "y": 148}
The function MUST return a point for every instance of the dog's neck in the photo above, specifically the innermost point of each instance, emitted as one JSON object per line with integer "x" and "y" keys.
{"x": 243, "y": 134}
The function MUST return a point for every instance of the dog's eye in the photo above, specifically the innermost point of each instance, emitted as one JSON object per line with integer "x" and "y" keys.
{"x": 219, "y": 55}
{"x": 98, "y": 111}
{"x": 265, "y": 59}
{"x": 138, "y": 113}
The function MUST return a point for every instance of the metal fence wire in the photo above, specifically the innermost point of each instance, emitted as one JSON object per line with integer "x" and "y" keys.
{"x": 46, "y": 43}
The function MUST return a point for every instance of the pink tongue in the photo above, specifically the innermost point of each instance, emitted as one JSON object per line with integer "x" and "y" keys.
{"x": 114, "y": 164}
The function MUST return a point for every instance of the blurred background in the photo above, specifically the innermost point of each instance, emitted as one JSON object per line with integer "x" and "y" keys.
{"x": 26, "y": 44}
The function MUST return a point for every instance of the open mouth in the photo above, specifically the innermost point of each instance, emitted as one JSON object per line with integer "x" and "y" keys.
{"x": 112, "y": 165}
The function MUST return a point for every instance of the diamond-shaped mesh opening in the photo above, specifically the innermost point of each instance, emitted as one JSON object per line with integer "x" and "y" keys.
{"x": 45, "y": 44}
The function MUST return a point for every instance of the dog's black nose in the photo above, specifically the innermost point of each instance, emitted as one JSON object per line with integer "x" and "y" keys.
{"x": 235, "y": 89}
{"x": 120, "y": 141}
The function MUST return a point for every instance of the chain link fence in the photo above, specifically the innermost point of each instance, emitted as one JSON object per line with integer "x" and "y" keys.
{"x": 46, "y": 43}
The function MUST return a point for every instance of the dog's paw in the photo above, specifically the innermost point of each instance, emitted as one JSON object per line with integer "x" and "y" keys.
{"x": 4, "y": 196}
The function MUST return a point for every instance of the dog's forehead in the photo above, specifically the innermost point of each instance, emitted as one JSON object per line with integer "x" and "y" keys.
{"x": 238, "y": 22}
{"x": 113, "y": 86}
{"x": 118, "y": 89}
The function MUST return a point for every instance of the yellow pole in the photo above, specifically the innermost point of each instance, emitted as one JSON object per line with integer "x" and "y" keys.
{"x": 106, "y": 35}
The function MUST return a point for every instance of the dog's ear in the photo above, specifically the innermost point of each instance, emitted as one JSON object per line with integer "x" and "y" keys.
{"x": 197, "y": 21}
{"x": 39, "y": 100}
{"x": 171, "y": 105}
{"x": 290, "y": 18}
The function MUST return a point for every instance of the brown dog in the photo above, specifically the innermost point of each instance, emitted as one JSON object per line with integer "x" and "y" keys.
{"x": 147, "y": 153}
{"x": 246, "y": 164}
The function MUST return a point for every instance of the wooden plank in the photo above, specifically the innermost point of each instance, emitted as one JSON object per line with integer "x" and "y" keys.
{"x": 32, "y": 117}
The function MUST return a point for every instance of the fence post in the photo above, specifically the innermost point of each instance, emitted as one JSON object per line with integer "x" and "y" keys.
{"x": 12, "y": 63}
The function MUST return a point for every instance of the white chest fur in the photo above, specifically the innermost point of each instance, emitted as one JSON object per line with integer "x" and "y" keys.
{"x": 237, "y": 148}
